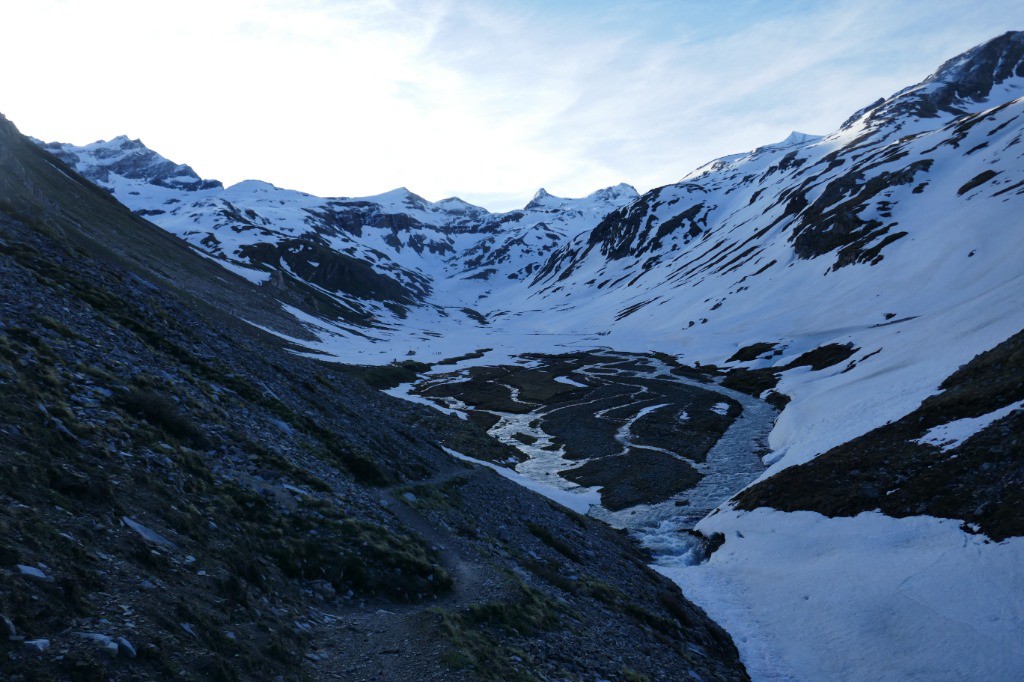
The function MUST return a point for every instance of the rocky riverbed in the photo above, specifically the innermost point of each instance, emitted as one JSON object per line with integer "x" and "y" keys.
{"x": 663, "y": 444}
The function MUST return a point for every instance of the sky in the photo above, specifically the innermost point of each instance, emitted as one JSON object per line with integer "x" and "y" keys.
{"x": 486, "y": 100}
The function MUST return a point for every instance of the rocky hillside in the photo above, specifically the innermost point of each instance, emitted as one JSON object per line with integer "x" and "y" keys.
{"x": 959, "y": 455}
{"x": 185, "y": 498}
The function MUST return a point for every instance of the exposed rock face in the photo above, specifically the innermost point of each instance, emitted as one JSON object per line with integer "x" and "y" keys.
{"x": 967, "y": 78}
{"x": 627, "y": 231}
{"x": 326, "y": 268}
{"x": 132, "y": 159}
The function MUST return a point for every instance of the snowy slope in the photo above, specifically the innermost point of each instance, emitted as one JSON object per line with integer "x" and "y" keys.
{"x": 519, "y": 241}
{"x": 896, "y": 234}
{"x": 899, "y": 233}
{"x": 864, "y": 598}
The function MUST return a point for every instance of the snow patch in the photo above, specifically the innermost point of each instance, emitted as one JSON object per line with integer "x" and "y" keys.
{"x": 951, "y": 435}
{"x": 809, "y": 598}
{"x": 580, "y": 502}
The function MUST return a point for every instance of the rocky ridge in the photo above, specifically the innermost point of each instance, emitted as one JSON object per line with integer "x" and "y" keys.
{"x": 376, "y": 256}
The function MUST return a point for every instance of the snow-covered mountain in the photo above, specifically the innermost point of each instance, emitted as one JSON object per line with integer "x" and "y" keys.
{"x": 519, "y": 241}
{"x": 901, "y": 223}
{"x": 894, "y": 243}
{"x": 898, "y": 240}
{"x": 376, "y": 255}
{"x": 899, "y": 234}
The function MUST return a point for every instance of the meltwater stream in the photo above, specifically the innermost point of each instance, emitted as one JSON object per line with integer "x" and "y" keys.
{"x": 732, "y": 463}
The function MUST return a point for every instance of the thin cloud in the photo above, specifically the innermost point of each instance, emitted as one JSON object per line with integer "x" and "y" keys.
{"x": 484, "y": 100}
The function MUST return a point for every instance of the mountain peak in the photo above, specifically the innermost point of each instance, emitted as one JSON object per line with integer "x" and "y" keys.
{"x": 615, "y": 195}
{"x": 252, "y": 185}
{"x": 398, "y": 199}
{"x": 123, "y": 142}
{"x": 104, "y": 161}
{"x": 965, "y": 79}
{"x": 618, "y": 193}
{"x": 796, "y": 137}
{"x": 543, "y": 200}
{"x": 457, "y": 204}
{"x": 974, "y": 72}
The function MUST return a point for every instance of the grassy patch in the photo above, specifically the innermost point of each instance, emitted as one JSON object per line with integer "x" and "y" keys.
{"x": 751, "y": 381}
{"x": 480, "y": 635}
{"x": 349, "y": 553}
{"x": 639, "y": 476}
{"x": 57, "y": 326}
{"x": 160, "y": 410}
{"x": 437, "y": 497}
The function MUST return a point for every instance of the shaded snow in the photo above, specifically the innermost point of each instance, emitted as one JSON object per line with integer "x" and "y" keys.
{"x": 809, "y": 598}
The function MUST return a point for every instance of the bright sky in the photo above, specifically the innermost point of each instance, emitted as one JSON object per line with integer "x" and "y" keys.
{"x": 487, "y": 100}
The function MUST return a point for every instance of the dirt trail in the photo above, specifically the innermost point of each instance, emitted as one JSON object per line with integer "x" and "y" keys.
{"x": 465, "y": 574}
{"x": 395, "y": 639}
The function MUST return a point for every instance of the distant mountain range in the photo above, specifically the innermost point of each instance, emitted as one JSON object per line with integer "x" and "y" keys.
{"x": 391, "y": 249}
